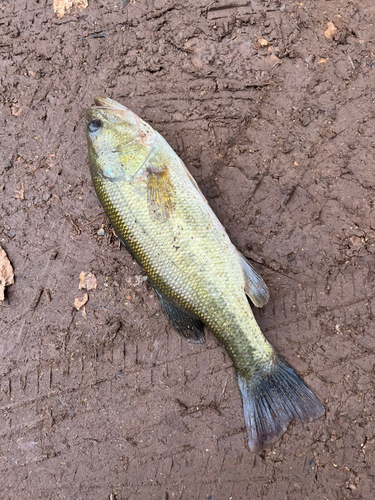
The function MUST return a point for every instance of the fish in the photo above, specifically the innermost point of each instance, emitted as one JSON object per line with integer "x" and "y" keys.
{"x": 200, "y": 278}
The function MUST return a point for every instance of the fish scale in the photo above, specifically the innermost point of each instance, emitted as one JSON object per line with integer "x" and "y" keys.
{"x": 169, "y": 272}
{"x": 161, "y": 216}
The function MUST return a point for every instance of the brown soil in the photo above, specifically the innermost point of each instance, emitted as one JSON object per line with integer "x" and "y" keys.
{"x": 275, "y": 118}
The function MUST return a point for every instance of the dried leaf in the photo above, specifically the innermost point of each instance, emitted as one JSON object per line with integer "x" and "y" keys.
{"x": 330, "y": 31}
{"x": 63, "y": 8}
{"x": 87, "y": 280}
{"x": 83, "y": 311}
{"x": 272, "y": 59}
{"x": 80, "y": 302}
{"x": 6, "y": 273}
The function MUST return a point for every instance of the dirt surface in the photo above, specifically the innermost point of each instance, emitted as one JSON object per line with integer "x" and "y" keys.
{"x": 272, "y": 109}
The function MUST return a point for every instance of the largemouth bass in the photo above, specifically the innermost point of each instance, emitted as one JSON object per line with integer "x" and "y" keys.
{"x": 200, "y": 278}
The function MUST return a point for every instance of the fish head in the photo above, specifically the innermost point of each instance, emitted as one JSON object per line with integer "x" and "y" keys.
{"x": 118, "y": 140}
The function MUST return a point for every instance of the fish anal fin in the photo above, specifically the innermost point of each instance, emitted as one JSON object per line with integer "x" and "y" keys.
{"x": 255, "y": 287}
{"x": 185, "y": 323}
{"x": 161, "y": 194}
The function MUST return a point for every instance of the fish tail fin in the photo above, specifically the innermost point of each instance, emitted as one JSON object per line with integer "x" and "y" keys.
{"x": 271, "y": 400}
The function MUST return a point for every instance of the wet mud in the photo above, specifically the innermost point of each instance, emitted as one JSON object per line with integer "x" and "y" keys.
{"x": 271, "y": 106}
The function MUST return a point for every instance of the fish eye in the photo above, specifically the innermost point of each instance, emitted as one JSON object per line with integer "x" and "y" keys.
{"x": 94, "y": 125}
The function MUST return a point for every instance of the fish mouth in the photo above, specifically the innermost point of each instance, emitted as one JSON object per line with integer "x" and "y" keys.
{"x": 107, "y": 109}
{"x": 107, "y": 103}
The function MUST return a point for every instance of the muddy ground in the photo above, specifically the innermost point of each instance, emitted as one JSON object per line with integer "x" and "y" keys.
{"x": 275, "y": 118}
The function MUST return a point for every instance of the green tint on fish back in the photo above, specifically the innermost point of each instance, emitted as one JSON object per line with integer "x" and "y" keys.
{"x": 159, "y": 213}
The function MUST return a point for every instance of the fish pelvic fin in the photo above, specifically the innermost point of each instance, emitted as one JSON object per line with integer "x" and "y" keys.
{"x": 255, "y": 287}
{"x": 272, "y": 400}
{"x": 186, "y": 324}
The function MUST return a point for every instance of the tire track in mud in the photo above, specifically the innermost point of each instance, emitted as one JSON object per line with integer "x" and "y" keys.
{"x": 286, "y": 129}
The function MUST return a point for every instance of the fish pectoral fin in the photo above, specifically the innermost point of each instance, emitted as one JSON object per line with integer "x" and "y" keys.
{"x": 161, "y": 194}
{"x": 185, "y": 323}
{"x": 255, "y": 287}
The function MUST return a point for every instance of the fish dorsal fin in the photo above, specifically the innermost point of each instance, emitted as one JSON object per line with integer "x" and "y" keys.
{"x": 193, "y": 181}
{"x": 160, "y": 193}
{"x": 255, "y": 287}
{"x": 185, "y": 323}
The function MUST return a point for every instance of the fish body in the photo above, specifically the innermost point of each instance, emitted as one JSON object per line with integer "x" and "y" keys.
{"x": 164, "y": 221}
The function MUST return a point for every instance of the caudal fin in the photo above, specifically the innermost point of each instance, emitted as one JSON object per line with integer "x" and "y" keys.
{"x": 272, "y": 400}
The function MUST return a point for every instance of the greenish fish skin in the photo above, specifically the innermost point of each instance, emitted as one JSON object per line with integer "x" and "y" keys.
{"x": 161, "y": 216}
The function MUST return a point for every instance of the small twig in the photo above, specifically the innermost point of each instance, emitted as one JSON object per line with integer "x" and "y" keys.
{"x": 116, "y": 237}
{"x": 93, "y": 219}
{"x": 180, "y": 403}
{"x": 260, "y": 84}
{"x": 159, "y": 13}
{"x": 96, "y": 34}
{"x": 36, "y": 299}
{"x": 47, "y": 293}
{"x": 74, "y": 224}
{"x": 223, "y": 391}
{"x": 287, "y": 197}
